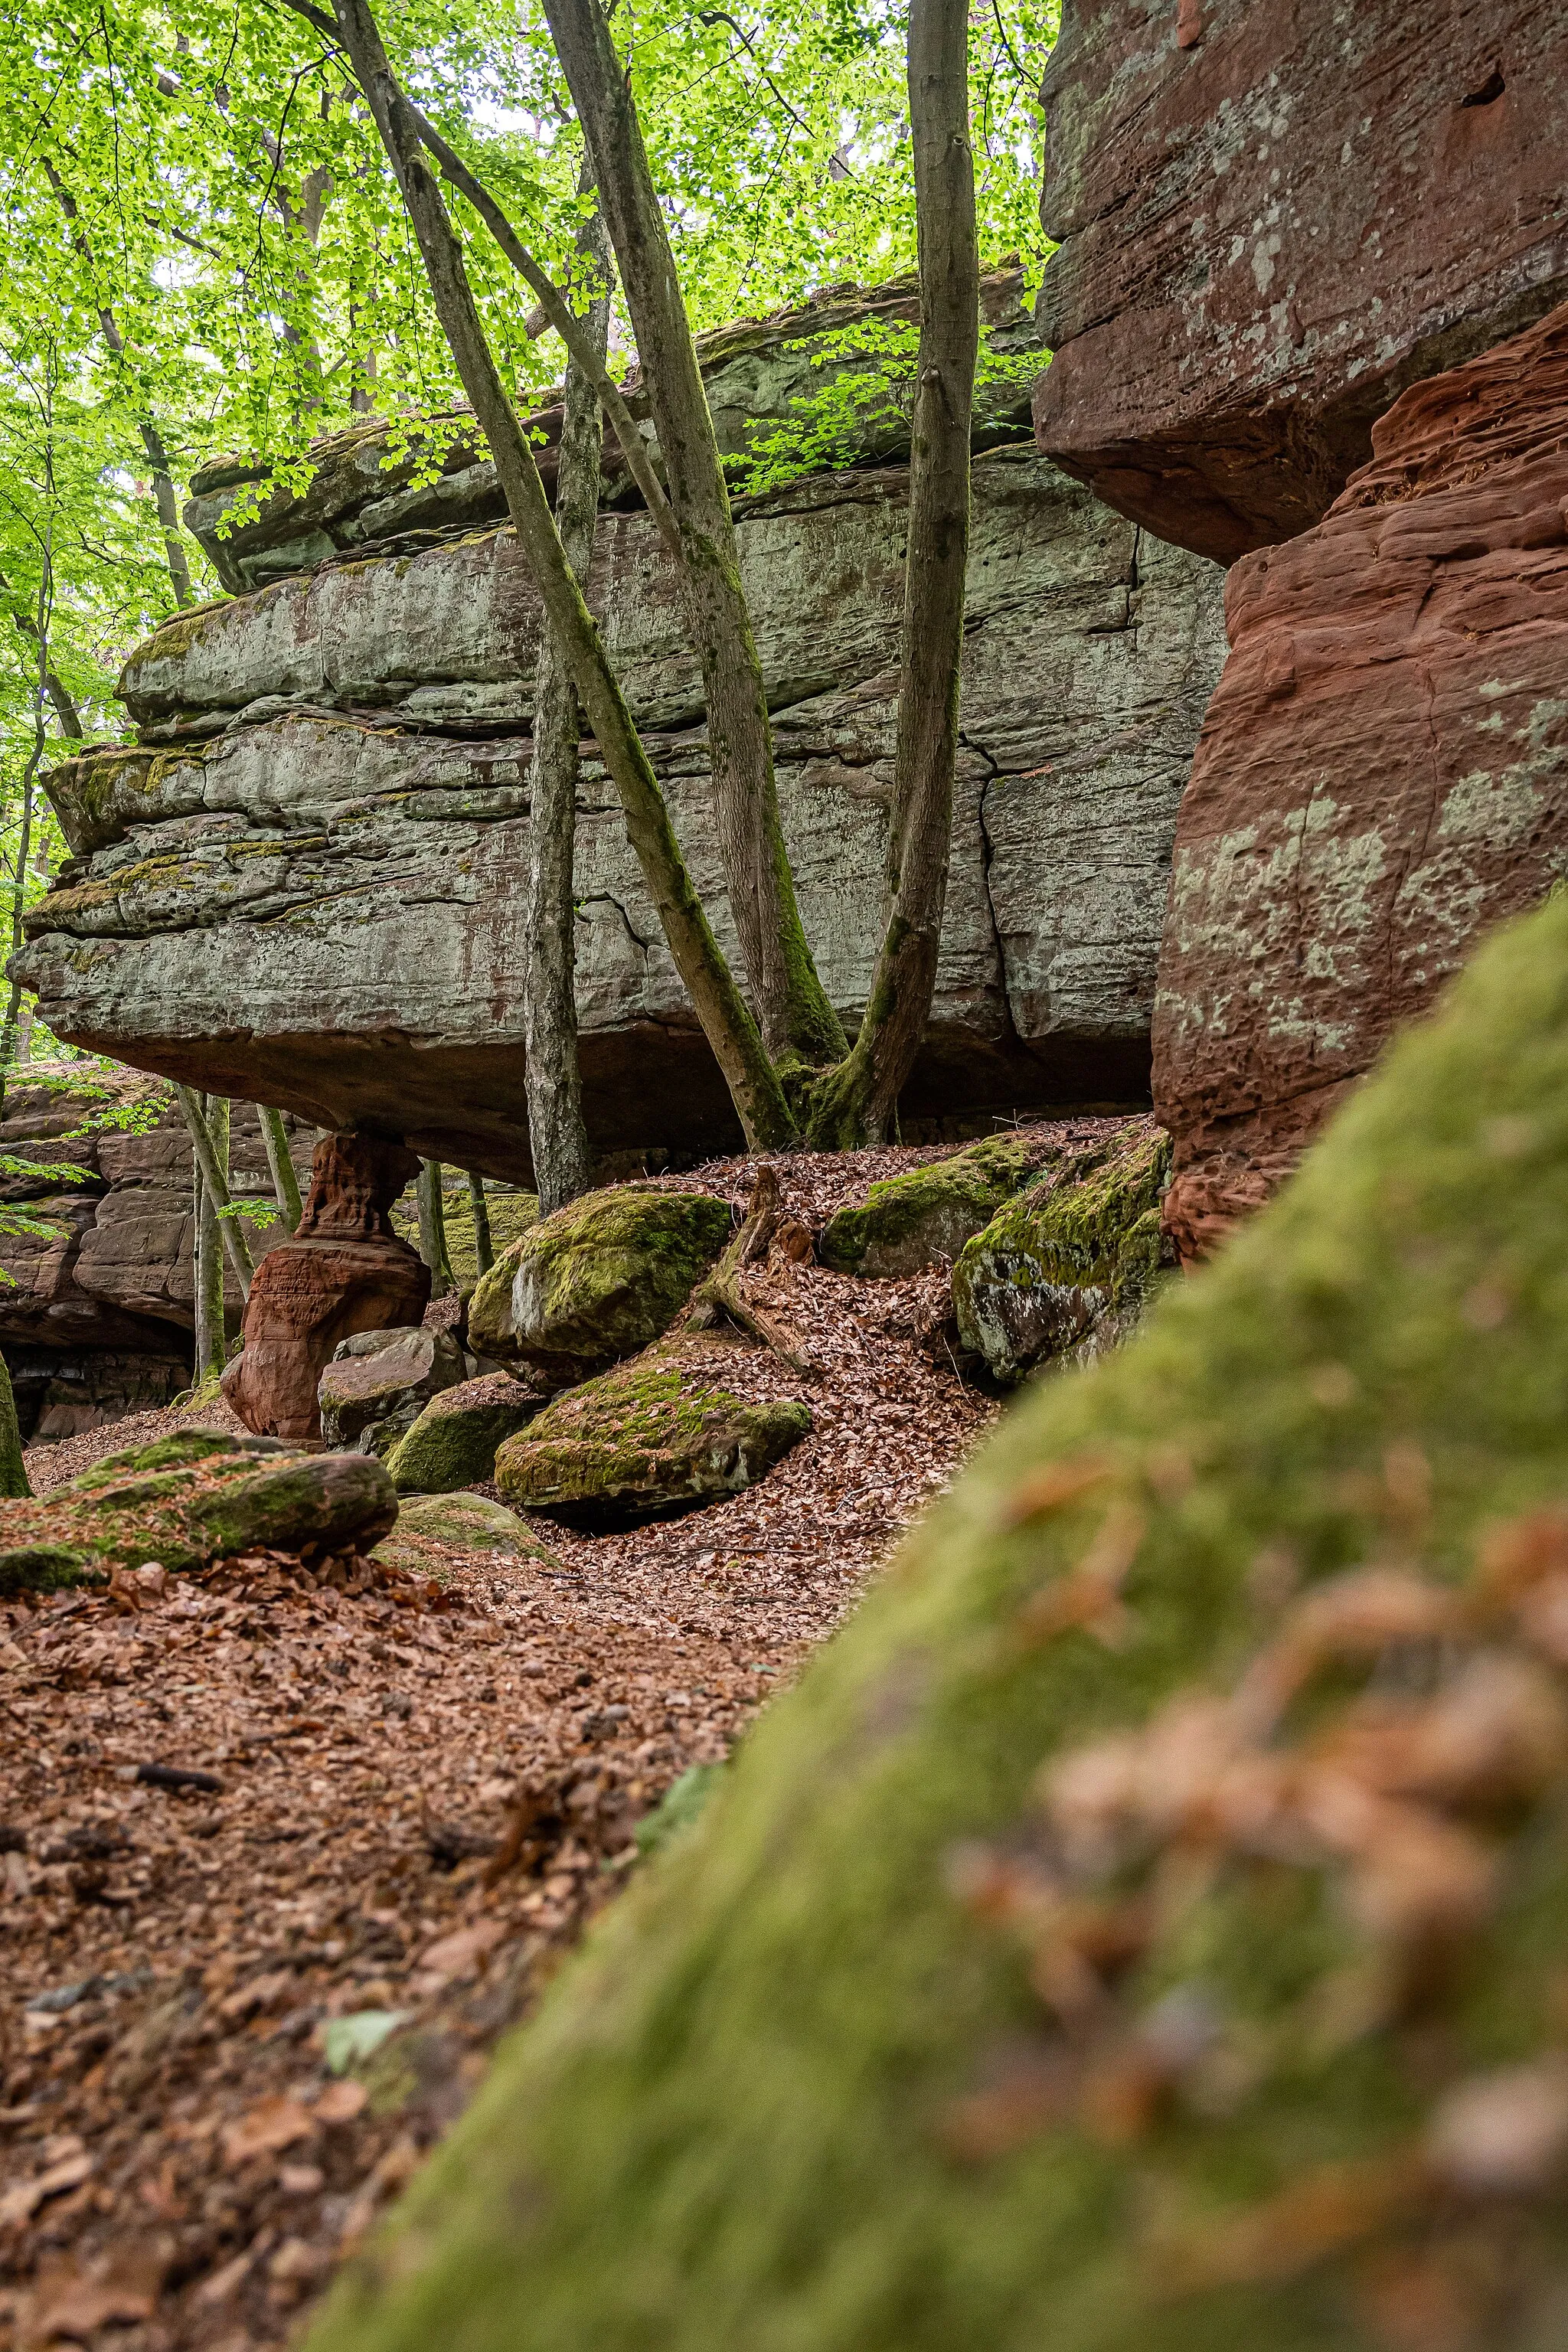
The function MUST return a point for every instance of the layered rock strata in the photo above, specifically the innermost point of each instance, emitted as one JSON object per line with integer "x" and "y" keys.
{"x": 300, "y": 888}
{"x": 1382, "y": 772}
{"x": 1272, "y": 222}
{"x": 345, "y": 1270}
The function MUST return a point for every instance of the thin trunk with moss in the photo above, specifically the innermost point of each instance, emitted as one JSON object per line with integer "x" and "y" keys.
{"x": 433, "y": 1228}
{"x": 211, "y": 1323}
{"x": 484, "y": 1246}
{"x": 13, "y": 1469}
{"x": 721, "y": 1008}
{"x": 285, "y": 1177}
{"x": 798, "y": 1022}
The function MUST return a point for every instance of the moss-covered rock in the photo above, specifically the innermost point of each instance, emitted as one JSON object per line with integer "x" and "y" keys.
{"x": 470, "y": 1522}
{"x": 912, "y": 1221}
{"x": 1067, "y": 1267}
{"x": 598, "y": 1280}
{"x": 655, "y": 1436}
{"x": 379, "y": 1382}
{"x": 1142, "y": 1926}
{"x": 453, "y": 1442}
{"x": 188, "y": 1499}
{"x": 13, "y": 1469}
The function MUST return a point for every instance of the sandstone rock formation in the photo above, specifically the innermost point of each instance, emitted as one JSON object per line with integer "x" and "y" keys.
{"x": 468, "y": 1522}
{"x": 908, "y": 1221}
{"x": 1274, "y": 221}
{"x": 600, "y": 1279}
{"x": 300, "y": 887}
{"x": 655, "y": 1436}
{"x": 379, "y": 1382}
{"x": 97, "y": 1318}
{"x": 454, "y": 1442}
{"x": 196, "y": 1495}
{"x": 1382, "y": 772}
{"x": 343, "y": 1271}
{"x": 1067, "y": 1267}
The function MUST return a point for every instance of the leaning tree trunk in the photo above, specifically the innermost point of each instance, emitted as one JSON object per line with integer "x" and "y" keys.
{"x": 859, "y": 1100}
{"x": 211, "y": 1323}
{"x": 13, "y": 1469}
{"x": 726, "y": 1021}
{"x": 553, "y": 1082}
{"x": 797, "y": 1020}
{"x": 433, "y": 1228}
{"x": 215, "y": 1173}
{"x": 285, "y": 1177}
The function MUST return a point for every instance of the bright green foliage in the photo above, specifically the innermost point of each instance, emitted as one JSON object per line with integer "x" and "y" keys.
{"x": 599, "y": 1279}
{"x": 824, "y": 2079}
{"x": 910, "y": 1220}
{"x": 648, "y": 1437}
{"x": 1068, "y": 1266}
{"x": 453, "y": 1442}
{"x": 192, "y": 1497}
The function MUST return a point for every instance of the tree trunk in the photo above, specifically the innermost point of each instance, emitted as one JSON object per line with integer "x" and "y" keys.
{"x": 13, "y": 1469}
{"x": 214, "y": 1173}
{"x": 211, "y": 1323}
{"x": 551, "y": 1079}
{"x": 433, "y": 1228}
{"x": 726, "y": 1021}
{"x": 285, "y": 1181}
{"x": 858, "y": 1101}
{"x": 484, "y": 1248}
{"x": 797, "y": 1020}
{"x": 40, "y": 634}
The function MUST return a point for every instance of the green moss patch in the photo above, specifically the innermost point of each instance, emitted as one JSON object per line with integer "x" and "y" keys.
{"x": 1067, "y": 1267}
{"x": 453, "y": 1442}
{"x": 467, "y": 1522}
{"x": 649, "y": 1437}
{"x": 912, "y": 1221}
{"x": 598, "y": 1280}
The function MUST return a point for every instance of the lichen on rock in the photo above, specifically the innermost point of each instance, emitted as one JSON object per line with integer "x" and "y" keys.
{"x": 1067, "y": 1267}
{"x": 600, "y": 1279}
{"x": 858, "y": 2067}
{"x": 453, "y": 1442}
{"x": 653, "y": 1435}
{"x": 908, "y": 1221}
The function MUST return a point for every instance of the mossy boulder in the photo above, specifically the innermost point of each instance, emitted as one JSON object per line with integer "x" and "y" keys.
{"x": 379, "y": 1382}
{"x": 652, "y": 1436}
{"x": 1068, "y": 1266}
{"x": 469, "y": 1522}
{"x": 600, "y": 1279}
{"x": 453, "y": 1442}
{"x": 908, "y": 1221}
{"x": 188, "y": 1499}
{"x": 1144, "y": 1924}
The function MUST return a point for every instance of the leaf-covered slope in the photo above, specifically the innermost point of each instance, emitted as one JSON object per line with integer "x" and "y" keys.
{"x": 910, "y": 2046}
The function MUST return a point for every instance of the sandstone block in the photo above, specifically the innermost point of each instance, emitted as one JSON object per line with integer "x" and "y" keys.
{"x": 454, "y": 1441}
{"x": 908, "y": 1221}
{"x": 379, "y": 1382}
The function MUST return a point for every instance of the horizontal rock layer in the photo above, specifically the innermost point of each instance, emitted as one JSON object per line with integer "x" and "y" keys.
{"x": 1272, "y": 221}
{"x": 313, "y": 901}
{"x": 1381, "y": 774}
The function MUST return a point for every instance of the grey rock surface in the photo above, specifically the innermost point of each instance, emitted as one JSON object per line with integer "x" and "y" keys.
{"x": 379, "y": 1382}
{"x": 307, "y": 893}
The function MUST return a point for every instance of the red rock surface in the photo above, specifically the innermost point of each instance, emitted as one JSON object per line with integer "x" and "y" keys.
{"x": 1273, "y": 221}
{"x": 344, "y": 1271}
{"x": 1382, "y": 772}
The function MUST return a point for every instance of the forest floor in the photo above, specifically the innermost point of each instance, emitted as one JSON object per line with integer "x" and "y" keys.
{"x": 413, "y": 1802}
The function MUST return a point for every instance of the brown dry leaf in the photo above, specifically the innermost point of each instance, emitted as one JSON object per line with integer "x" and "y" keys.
{"x": 1051, "y": 1488}
{"x": 451, "y": 1957}
{"x": 340, "y": 2102}
{"x": 20, "y": 2204}
{"x": 1326, "y": 2212}
{"x": 267, "y": 2130}
{"x": 69, "y": 2301}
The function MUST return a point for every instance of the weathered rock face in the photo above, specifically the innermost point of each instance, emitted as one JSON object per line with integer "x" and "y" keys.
{"x": 1274, "y": 221}
{"x": 1382, "y": 772}
{"x": 908, "y": 1221}
{"x": 95, "y": 1323}
{"x": 306, "y": 894}
{"x": 453, "y": 1442}
{"x": 379, "y": 1382}
{"x": 343, "y": 1271}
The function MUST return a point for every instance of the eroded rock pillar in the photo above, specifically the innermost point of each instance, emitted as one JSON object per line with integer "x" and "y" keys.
{"x": 344, "y": 1271}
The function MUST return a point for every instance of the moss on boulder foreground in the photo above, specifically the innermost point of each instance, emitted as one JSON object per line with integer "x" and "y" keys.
{"x": 908, "y": 1221}
{"x": 453, "y": 1442}
{"x": 188, "y": 1499}
{"x": 1067, "y": 1267}
{"x": 598, "y": 1280}
{"x": 655, "y": 1436}
{"x": 469, "y": 1522}
{"x": 983, "y": 2008}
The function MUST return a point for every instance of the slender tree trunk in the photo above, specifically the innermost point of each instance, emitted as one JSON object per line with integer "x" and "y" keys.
{"x": 211, "y": 1322}
{"x": 285, "y": 1181}
{"x": 40, "y": 633}
{"x": 797, "y": 1020}
{"x": 433, "y": 1228}
{"x": 214, "y": 1173}
{"x": 13, "y": 1469}
{"x": 726, "y": 1021}
{"x": 551, "y": 1079}
{"x": 484, "y": 1248}
{"x": 859, "y": 1100}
